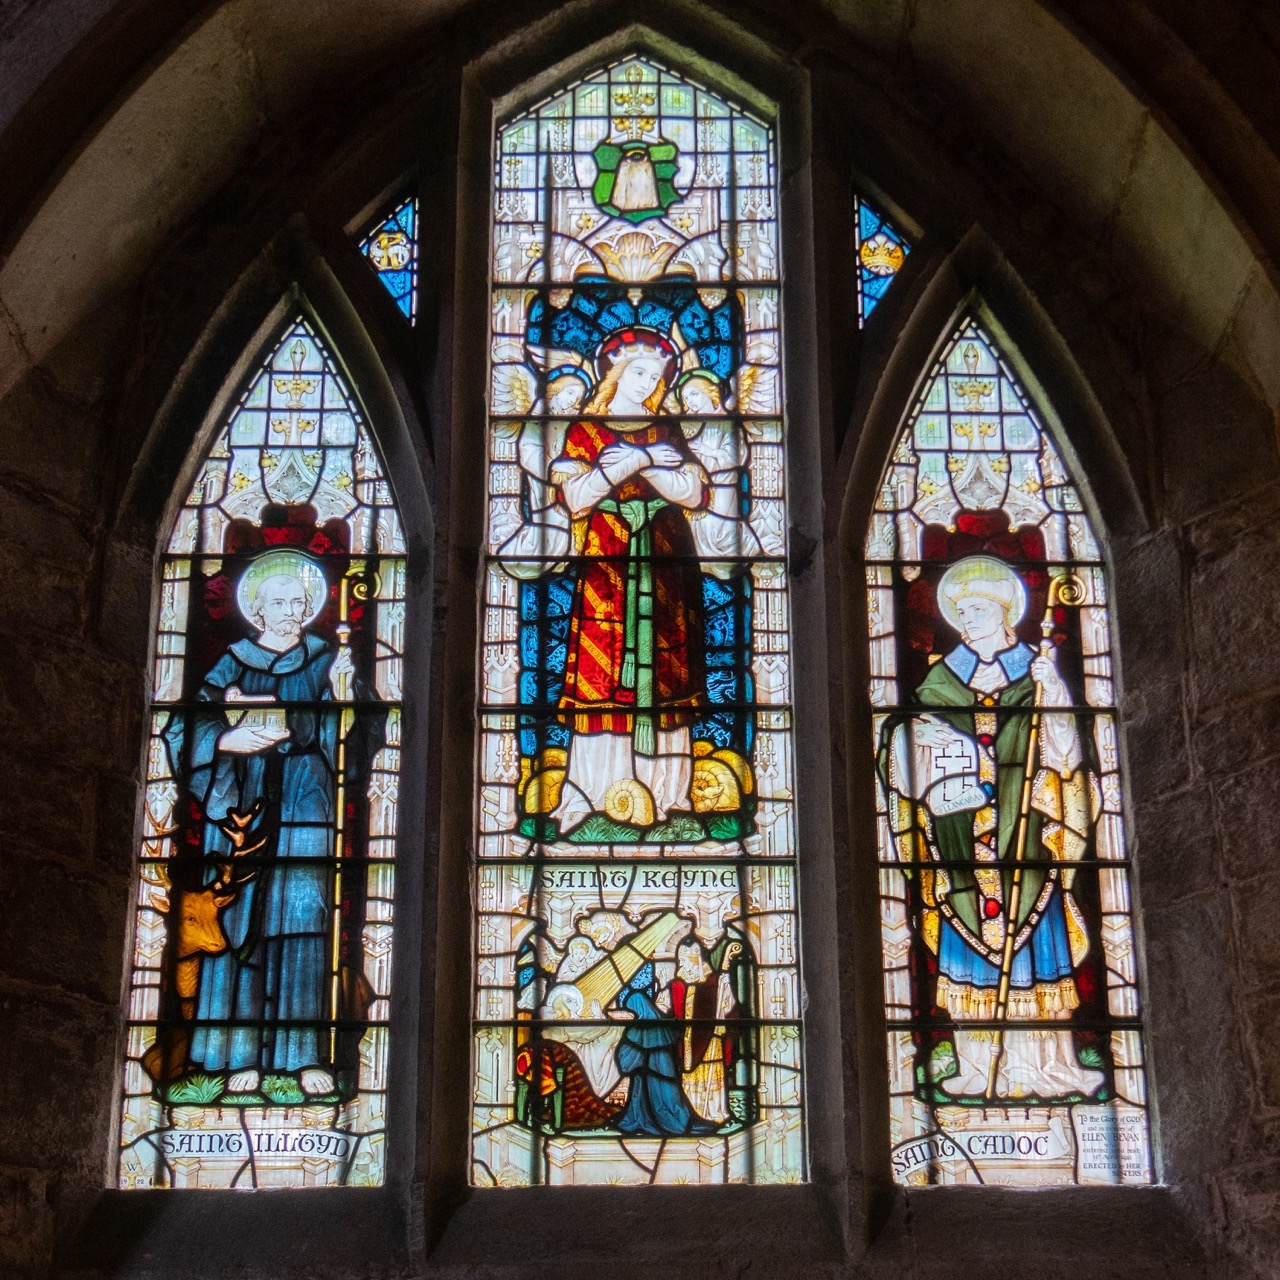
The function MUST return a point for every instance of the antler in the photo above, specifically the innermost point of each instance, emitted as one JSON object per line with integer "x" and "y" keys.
{"x": 236, "y": 828}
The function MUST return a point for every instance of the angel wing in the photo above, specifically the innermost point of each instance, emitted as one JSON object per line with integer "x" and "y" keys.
{"x": 515, "y": 388}
{"x": 757, "y": 389}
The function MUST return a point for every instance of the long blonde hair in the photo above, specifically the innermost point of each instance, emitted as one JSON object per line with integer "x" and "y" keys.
{"x": 603, "y": 397}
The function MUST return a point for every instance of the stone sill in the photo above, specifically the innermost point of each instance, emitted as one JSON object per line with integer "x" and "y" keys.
{"x": 567, "y": 1232}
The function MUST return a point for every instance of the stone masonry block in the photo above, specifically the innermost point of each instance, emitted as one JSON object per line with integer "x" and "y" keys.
{"x": 64, "y": 928}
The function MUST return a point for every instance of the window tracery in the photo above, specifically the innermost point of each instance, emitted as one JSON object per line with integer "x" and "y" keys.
{"x": 880, "y": 250}
{"x": 391, "y": 249}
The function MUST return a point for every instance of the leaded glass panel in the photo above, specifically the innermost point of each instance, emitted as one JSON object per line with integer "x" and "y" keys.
{"x": 259, "y": 1001}
{"x": 880, "y": 249}
{"x": 1010, "y": 970}
{"x": 637, "y": 1009}
{"x": 391, "y": 249}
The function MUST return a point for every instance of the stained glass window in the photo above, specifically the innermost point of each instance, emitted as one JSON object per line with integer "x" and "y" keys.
{"x": 880, "y": 249}
{"x": 1010, "y": 971}
{"x": 258, "y": 1009}
{"x": 637, "y": 1003}
{"x": 391, "y": 249}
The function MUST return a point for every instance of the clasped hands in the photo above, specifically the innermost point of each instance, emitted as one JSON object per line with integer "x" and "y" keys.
{"x": 621, "y": 460}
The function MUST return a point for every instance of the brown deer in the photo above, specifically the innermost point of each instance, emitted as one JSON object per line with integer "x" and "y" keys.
{"x": 195, "y": 930}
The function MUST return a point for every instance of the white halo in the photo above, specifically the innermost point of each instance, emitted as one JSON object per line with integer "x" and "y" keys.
{"x": 284, "y": 564}
{"x": 981, "y": 569}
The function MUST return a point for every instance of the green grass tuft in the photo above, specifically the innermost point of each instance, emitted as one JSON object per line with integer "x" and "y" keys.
{"x": 196, "y": 1090}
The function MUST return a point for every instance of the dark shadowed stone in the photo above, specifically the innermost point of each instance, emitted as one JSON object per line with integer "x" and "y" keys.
{"x": 69, "y": 703}
{"x": 114, "y": 847}
{"x": 1094, "y": 1232}
{"x": 1235, "y": 620}
{"x": 80, "y": 923}
{"x": 39, "y": 528}
{"x": 1238, "y": 739}
{"x": 1154, "y": 735}
{"x": 1257, "y": 910}
{"x": 1219, "y": 530}
{"x": 47, "y": 440}
{"x": 1262, "y": 1014}
{"x": 57, "y": 1056}
{"x": 127, "y": 611}
{"x": 26, "y": 1219}
{"x": 1149, "y": 613}
{"x": 40, "y": 597}
{"x": 1197, "y": 1074}
{"x": 1247, "y": 803}
{"x": 1177, "y": 847}
{"x": 1192, "y": 421}
{"x": 47, "y": 804}
{"x": 1251, "y": 1201}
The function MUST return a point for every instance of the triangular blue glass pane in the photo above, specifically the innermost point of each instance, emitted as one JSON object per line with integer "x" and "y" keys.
{"x": 880, "y": 250}
{"x": 391, "y": 249}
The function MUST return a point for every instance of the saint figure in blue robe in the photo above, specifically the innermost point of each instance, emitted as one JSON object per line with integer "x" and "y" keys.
{"x": 650, "y": 1056}
{"x": 261, "y": 762}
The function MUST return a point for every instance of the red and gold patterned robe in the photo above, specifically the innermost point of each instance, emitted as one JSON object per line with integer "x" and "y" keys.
{"x": 600, "y": 688}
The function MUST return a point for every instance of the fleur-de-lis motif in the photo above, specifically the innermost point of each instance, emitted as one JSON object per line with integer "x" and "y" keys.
{"x": 635, "y": 101}
{"x": 973, "y": 389}
{"x": 294, "y": 387}
{"x": 292, "y": 428}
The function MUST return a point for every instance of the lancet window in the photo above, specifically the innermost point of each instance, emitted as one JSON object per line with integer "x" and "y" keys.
{"x": 258, "y": 1020}
{"x": 1015, "y": 1043}
{"x": 637, "y": 1002}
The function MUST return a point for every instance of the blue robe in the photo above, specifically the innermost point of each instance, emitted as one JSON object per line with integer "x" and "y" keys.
{"x": 275, "y": 975}
{"x": 647, "y": 1054}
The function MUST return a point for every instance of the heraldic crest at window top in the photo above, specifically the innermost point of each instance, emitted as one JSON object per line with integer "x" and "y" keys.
{"x": 258, "y": 1011}
{"x": 1010, "y": 969}
{"x": 391, "y": 249}
{"x": 637, "y": 1007}
{"x": 881, "y": 250}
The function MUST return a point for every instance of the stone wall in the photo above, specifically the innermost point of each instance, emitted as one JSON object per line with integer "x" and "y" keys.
{"x": 148, "y": 249}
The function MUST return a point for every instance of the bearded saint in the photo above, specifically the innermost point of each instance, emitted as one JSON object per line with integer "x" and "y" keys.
{"x": 634, "y": 671}
{"x": 954, "y": 774}
{"x": 263, "y": 753}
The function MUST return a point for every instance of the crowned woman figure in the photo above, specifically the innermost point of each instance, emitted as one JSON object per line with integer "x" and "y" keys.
{"x": 634, "y": 671}
{"x": 995, "y": 868}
